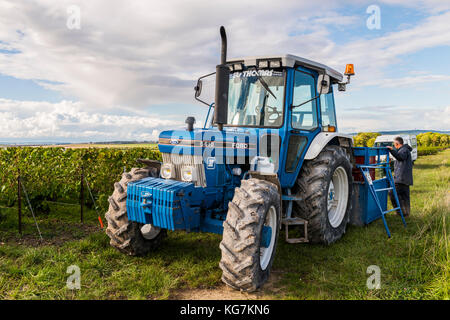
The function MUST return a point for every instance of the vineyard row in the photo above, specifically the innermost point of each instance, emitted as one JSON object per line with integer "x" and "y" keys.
{"x": 54, "y": 173}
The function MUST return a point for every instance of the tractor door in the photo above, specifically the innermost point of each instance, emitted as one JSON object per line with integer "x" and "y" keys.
{"x": 303, "y": 123}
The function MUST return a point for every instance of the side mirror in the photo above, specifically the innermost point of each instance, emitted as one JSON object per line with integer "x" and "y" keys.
{"x": 198, "y": 88}
{"x": 323, "y": 84}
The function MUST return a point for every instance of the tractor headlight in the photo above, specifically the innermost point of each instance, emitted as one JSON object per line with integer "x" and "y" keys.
{"x": 273, "y": 63}
{"x": 263, "y": 64}
{"x": 238, "y": 67}
{"x": 168, "y": 171}
{"x": 188, "y": 174}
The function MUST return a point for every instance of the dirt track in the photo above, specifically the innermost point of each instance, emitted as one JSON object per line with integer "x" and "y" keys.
{"x": 224, "y": 292}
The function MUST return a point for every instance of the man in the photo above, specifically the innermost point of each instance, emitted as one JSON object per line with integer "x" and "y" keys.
{"x": 403, "y": 177}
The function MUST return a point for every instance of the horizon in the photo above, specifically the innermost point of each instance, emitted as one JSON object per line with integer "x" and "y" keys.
{"x": 106, "y": 142}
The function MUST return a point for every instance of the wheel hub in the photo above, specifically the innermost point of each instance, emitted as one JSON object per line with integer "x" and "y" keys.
{"x": 337, "y": 197}
{"x": 266, "y": 247}
{"x": 149, "y": 231}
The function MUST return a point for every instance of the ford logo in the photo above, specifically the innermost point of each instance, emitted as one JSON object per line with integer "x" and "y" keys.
{"x": 145, "y": 194}
{"x": 174, "y": 141}
{"x": 211, "y": 163}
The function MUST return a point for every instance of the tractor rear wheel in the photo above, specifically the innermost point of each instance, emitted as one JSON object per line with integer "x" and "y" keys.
{"x": 130, "y": 237}
{"x": 247, "y": 253}
{"x": 325, "y": 186}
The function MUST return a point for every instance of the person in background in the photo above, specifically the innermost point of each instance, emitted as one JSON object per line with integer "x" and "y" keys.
{"x": 403, "y": 176}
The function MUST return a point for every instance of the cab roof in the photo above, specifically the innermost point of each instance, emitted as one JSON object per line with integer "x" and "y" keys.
{"x": 289, "y": 60}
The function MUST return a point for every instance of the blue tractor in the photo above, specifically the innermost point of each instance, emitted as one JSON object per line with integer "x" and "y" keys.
{"x": 269, "y": 156}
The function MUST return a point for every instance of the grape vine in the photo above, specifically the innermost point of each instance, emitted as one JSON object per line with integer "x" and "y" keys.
{"x": 53, "y": 173}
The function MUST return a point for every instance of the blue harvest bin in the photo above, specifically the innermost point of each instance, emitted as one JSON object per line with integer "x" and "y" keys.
{"x": 364, "y": 208}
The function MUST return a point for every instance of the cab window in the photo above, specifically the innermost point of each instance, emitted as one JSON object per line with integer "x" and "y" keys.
{"x": 304, "y": 109}
{"x": 327, "y": 110}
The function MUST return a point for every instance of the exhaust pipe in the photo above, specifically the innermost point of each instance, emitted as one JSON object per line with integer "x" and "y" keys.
{"x": 222, "y": 84}
{"x": 223, "y": 51}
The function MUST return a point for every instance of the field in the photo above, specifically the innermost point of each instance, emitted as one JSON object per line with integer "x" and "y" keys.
{"x": 414, "y": 263}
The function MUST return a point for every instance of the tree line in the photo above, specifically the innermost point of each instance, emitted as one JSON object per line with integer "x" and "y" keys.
{"x": 433, "y": 139}
{"x": 427, "y": 139}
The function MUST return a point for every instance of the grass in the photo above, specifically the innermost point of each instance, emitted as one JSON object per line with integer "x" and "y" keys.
{"x": 425, "y": 151}
{"x": 414, "y": 263}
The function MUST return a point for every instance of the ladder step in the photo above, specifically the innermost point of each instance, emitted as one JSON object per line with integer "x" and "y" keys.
{"x": 290, "y": 198}
{"x": 373, "y": 166}
{"x": 384, "y": 212}
{"x": 384, "y": 189}
{"x": 294, "y": 221}
{"x": 296, "y": 240}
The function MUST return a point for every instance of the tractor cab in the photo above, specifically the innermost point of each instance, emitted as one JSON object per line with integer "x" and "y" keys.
{"x": 263, "y": 90}
{"x": 279, "y": 105}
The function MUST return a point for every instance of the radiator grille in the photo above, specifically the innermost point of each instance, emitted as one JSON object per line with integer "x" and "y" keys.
{"x": 180, "y": 161}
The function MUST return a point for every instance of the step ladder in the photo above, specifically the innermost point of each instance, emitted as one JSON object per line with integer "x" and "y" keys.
{"x": 291, "y": 221}
{"x": 365, "y": 169}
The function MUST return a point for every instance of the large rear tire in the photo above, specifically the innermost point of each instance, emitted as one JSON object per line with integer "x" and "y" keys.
{"x": 325, "y": 185}
{"x": 245, "y": 263}
{"x": 126, "y": 236}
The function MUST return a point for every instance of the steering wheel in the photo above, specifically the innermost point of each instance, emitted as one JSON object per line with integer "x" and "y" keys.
{"x": 268, "y": 112}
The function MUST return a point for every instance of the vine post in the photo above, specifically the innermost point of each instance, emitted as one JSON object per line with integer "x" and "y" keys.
{"x": 82, "y": 193}
{"x": 19, "y": 201}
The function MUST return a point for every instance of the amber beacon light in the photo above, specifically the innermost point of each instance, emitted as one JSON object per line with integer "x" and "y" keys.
{"x": 349, "y": 70}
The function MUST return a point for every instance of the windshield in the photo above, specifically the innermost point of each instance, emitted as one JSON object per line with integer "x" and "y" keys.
{"x": 384, "y": 144}
{"x": 255, "y": 98}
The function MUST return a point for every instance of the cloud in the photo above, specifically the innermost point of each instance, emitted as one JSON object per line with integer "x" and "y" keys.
{"x": 407, "y": 82}
{"x": 145, "y": 53}
{"x": 432, "y": 6}
{"x": 386, "y": 118}
{"x": 129, "y": 56}
{"x": 373, "y": 55}
{"x": 66, "y": 121}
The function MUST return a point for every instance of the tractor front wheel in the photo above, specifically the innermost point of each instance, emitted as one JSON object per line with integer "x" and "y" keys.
{"x": 130, "y": 237}
{"x": 250, "y": 235}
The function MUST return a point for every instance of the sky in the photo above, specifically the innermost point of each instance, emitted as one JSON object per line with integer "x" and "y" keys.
{"x": 82, "y": 71}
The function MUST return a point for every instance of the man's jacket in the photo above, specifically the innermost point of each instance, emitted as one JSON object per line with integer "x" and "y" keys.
{"x": 403, "y": 165}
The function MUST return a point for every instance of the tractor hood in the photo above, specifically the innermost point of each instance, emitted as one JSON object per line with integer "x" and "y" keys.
{"x": 213, "y": 142}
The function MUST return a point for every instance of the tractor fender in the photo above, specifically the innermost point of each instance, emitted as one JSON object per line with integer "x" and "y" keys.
{"x": 323, "y": 139}
{"x": 271, "y": 177}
